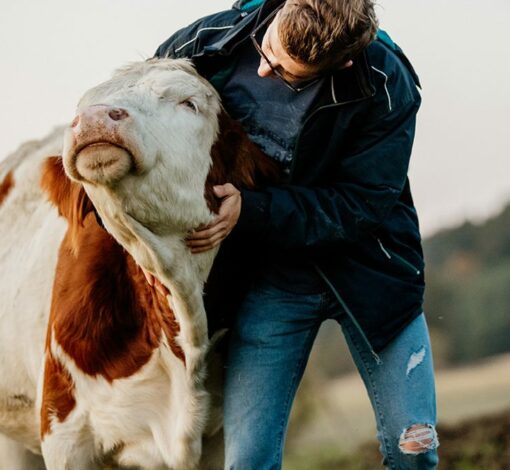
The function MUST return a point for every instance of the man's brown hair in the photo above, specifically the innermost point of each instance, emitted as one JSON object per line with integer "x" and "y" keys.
{"x": 326, "y": 33}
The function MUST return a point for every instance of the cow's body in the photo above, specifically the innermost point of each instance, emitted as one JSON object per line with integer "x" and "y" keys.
{"x": 113, "y": 367}
{"x": 31, "y": 233}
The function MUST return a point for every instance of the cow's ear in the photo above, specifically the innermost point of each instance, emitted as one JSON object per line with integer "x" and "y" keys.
{"x": 69, "y": 197}
{"x": 237, "y": 160}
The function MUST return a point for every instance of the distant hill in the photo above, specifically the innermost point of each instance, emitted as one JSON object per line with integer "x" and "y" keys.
{"x": 487, "y": 243}
{"x": 468, "y": 288}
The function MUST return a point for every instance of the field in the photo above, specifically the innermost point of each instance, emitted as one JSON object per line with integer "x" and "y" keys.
{"x": 474, "y": 428}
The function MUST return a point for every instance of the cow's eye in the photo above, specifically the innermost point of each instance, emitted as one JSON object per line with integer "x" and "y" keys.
{"x": 190, "y": 104}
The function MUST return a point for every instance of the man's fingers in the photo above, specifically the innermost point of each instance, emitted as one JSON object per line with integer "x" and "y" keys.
{"x": 206, "y": 248}
{"x": 223, "y": 190}
{"x": 202, "y": 235}
{"x": 207, "y": 241}
{"x": 206, "y": 238}
{"x": 208, "y": 233}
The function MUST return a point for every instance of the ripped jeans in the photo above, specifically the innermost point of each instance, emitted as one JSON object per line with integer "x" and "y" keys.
{"x": 268, "y": 351}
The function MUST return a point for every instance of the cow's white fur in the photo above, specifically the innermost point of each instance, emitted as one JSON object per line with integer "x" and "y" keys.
{"x": 151, "y": 411}
{"x": 160, "y": 413}
{"x": 30, "y": 234}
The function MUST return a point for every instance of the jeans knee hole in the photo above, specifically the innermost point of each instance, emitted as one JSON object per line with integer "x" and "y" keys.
{"x": 418, "y": 439}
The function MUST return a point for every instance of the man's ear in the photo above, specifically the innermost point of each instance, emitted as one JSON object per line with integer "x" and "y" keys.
{"x": 348, "y": 64}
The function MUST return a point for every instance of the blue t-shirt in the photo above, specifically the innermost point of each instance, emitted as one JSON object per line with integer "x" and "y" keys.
{"x": 272, "y": 114}
{"x": 269, "y": 111}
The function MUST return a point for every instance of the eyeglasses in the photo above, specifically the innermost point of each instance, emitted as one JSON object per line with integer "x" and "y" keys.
{"x": 275, "y": 70}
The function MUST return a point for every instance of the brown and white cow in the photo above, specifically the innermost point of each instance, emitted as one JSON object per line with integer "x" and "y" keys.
{"x": 95, "y": 361}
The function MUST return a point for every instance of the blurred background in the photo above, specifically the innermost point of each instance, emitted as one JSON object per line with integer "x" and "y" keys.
{"x": 53, "y": 51}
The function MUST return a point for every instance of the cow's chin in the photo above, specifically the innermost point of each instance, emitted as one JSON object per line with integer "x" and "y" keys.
{"x": 103, "y": 163}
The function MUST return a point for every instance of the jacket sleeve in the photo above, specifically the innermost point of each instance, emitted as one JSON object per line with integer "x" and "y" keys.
{"x": 370, "y": 178}
{"x": 192, "y": 39}
{"x": 181, "y": 44}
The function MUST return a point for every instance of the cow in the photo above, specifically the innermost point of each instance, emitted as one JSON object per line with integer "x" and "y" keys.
{"x": 98, "y": 365}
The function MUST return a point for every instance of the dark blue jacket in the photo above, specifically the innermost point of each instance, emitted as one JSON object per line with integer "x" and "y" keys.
{"x": 346, "y": 206}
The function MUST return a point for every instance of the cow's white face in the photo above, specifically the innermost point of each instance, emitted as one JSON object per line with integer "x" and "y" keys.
{"x": 140, "y": 144}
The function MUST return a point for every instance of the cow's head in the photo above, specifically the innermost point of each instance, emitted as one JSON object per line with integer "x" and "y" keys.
{"x": 141, "y": 143}
{"x": 147, "y": 146}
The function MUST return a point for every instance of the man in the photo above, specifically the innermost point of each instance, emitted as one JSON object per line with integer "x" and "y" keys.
{"x": 335, "y": 105}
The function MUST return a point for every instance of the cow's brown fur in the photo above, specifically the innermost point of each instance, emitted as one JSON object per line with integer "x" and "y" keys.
{"x": 6, "y": 186}
{"x": 58, "y": 397}
{"x": 104, "y": 315}
{"x": 70, "y": 198}
{"x": 237, "y": 160}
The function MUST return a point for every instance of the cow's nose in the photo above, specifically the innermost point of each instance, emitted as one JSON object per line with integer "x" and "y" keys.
{"x": 99, "y": 115}
{"x": 117, "y": 114}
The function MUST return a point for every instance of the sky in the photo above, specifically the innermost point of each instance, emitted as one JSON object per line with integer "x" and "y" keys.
{"x": 53, "y": 51}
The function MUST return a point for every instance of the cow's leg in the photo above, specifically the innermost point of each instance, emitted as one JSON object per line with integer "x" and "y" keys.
{"x": 15, "y": 456}
{"x": 69, "y": 448}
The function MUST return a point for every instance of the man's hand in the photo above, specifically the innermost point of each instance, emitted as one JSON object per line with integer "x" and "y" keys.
{"x": 209, "y": 236}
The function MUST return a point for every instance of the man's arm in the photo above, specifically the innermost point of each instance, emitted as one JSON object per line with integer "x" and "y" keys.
{"x": 370, "y": 180}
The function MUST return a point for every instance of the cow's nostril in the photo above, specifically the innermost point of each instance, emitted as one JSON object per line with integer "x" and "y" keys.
{"x": 75, "y": 122}
{"x": 118, "y": 114}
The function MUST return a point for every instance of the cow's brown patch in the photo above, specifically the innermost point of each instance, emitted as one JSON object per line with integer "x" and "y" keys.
{"x": 103, "y": 313}
{"x": 70, "y": 198}
{"x": 58, "y": 393}
{"x": 237, "y": 160}
{"x": 6, "y": 186}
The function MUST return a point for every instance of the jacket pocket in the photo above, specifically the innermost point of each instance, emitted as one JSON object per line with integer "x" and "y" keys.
{"x": 396, "y": 258}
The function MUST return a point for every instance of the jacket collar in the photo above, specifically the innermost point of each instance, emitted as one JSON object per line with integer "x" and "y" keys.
{"x": 354, "y": 83}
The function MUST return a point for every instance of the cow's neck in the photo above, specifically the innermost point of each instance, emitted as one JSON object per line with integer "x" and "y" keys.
{"x": 104, "y": 314}
{"x": 164, "y": 253}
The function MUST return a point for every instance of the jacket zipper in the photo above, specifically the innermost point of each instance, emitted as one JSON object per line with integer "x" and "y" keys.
{"x": 321, "y": 273}
{"x": 342, "y": 303}
{"x": 392, "y": 254}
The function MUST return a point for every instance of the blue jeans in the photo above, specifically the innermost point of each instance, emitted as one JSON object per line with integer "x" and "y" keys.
{"x": 268, "y": 351}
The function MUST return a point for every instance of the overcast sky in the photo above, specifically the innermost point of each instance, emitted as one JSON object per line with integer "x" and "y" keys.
{"x": 54, "y": 50}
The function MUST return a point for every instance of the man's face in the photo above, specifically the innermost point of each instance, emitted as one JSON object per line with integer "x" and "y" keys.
{"x": 290, "y": 69}
{"x": 275, "y": 61}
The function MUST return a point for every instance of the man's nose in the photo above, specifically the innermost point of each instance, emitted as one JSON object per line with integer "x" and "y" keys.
{"x": 264, "y": 69}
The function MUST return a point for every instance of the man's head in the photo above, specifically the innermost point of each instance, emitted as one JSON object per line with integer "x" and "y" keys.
{"x": 308, "y": 37}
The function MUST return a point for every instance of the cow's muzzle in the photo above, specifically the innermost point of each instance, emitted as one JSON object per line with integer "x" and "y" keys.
{"x": 94, "y": 150}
